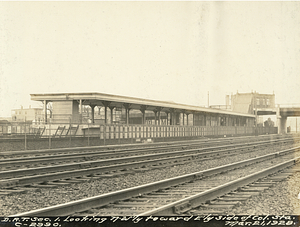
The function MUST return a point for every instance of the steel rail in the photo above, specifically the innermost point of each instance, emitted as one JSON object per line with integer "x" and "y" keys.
{"x": 122, "y": 153}
{"x": 50, "y": 173}
{"x": 195, "y": 200}
{"x": 139, "y": 146}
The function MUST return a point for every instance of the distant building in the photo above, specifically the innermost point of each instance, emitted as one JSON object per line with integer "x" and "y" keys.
{"x": 251, "y": 102}
{"x": 248, "y": 103}
{"x": 30, "y": 114}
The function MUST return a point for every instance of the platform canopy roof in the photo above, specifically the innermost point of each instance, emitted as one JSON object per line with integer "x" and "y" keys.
{"x": 100, "y": 99}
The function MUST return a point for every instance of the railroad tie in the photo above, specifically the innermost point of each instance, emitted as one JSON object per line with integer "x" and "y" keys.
{"x": 131, "y": 205}
{"x": 58, "y": 183}
{"x": 43, "y": 186}
{"x": 11, "y": 191}
{"x": 223, "y": 202}
{"x": 221, "y": 206}
{"x": 234, "y": 198}
{"x": 112, "y": 212}
{"x": 237, "y": 196}
{"x": 279, "y": 177}
{"x": 251, "y": 193}
{"x": 253, "y": 189}
{"x": 263, "y": 184}
{"x": 205, "y": 212}
{"x": 74, "y": 180}
{"x": 26, "y": 188}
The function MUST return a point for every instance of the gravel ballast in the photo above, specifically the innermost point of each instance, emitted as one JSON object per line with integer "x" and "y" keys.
{"x": 281, "y": 199}
{"x": 18, "y": 203}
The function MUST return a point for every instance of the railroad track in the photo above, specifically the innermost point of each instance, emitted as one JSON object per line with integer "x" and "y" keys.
{"x": 140, "y": 147}
{"x": 216, "y": 187}
{"x": 16, "y": 163}
{"x": 20, "y": 180}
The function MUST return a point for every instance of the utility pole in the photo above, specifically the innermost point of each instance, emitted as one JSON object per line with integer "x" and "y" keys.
{"x": 255, "y": 106}
{"x": 208, "y": 99}
{"x": 25, "y": 135}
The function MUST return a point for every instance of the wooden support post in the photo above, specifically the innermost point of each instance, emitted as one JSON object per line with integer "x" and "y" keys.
{"x": 45, "y": 111}
{"x": 93, "y": 113}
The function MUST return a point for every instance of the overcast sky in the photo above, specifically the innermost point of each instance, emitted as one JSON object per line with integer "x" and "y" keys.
{"x": 169, "y": 51}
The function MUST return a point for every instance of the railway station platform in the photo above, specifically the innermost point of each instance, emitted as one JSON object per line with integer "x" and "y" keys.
{"x": 119, "y": 117}
{"x": 71, "y": 108}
